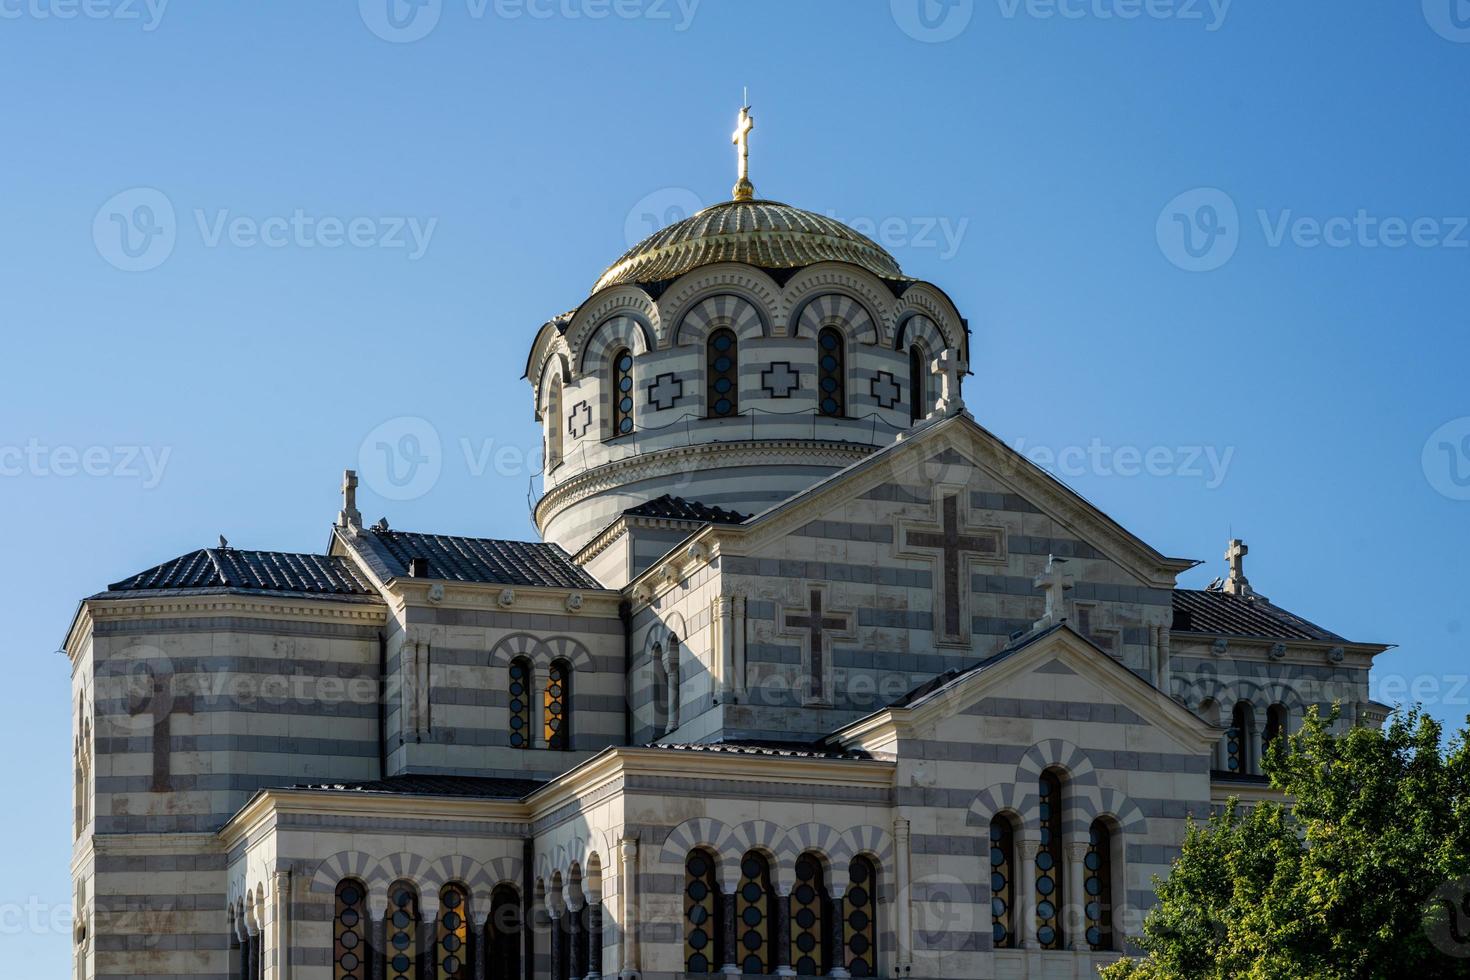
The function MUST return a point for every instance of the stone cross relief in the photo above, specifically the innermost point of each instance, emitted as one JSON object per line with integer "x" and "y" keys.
{"x": 885, "y": 390}
{"x": 780, "y": 380}
{"x": 951, "y": 546}
{"x": 1054, "y": 582}
{"x": 814, "y": 625}
{"x": 665, "y": 392}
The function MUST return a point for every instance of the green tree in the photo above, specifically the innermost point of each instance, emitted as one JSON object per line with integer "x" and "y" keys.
{"x": 1364, "y": 874}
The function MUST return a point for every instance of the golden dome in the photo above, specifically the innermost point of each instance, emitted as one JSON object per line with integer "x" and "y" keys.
{"x": 766, "y": 234}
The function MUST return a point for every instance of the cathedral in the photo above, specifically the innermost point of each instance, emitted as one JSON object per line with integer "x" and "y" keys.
{"x": 809, "y": 674}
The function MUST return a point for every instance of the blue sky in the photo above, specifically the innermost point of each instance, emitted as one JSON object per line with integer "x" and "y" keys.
{"x": 1229, "y": 239}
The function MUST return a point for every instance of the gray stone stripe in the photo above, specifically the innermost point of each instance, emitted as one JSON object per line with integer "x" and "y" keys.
{"x": 888, "y": 575}
{"x": 490, "y": 830}
{"x": 541, "y": 624}
{"x": 442, "y": 656}
{"x": 751, "y": 789}
{"x": 160, "y": 942}
{"x": 949, "y": 845}
{"x": 500, "y": 738}
{"x": 243, "y": 624}
{"x": 351, "y": 748}
{"x": 166, "y": 823}
{"x": 122, "y": 664}
{"x": 1102, "y": 714}
{"x": 135, "y": 864}
{"x": 112, "y": 902}
{"x": 255, "y": 707}
{"x": 847, "y": 531}
{"x": 1249, "y": 671}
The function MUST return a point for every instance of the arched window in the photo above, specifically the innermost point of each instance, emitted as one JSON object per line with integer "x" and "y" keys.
{"x": 557, "y": 713}
{"x": 520, "y": 703}
{"x": 1275, "y": 723}
{"x": 349, "y": 932}
{"x": 722, "y": 375}
{"x": 1002, "y": 883}
{"x": 1049, "y": 863}
{"x": 503, "y": 933}
{"x": 860, "y": 929}
{"x": 1097, "y": 882}
{"x": 755, "y": 925}
{"x": 1237, "y": 739}
{"x": 621, "y": 393}
{"x": 918, "y": 384}
{"x": 703, "y": 919}
{"x": 554, "y": 424}
{"x": 452, "y": 954}
{"x": 402, "y": 932}
{"x": 811, "y": 906}
{"x": 831, "y": 373}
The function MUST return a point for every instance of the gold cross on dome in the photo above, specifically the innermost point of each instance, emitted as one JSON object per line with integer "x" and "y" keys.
{"x": 744, "y": 189}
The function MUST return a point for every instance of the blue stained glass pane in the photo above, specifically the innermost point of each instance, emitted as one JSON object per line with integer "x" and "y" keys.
{"x": 722, "y": 406}
{"x": 1093, "y": 886}
{"x": 723, "y": 385}
{"x": 625, "y": 363}
{"x": 997, "y": 907}
{"x": 626, "y": 426}
{"x": 998, "y": 933}
{"x": 997, "y": 857}
{"x": 1045, "y": 910}
{"x": 829, "y": 363}
{"x": 829, "y": 340}
{"x": 1043, "y": 860}
{"x": 998, "y": 882}
{"x": 722, "y": 364}
{"x": 1093, "y": 861}
{"x": 626, "y": 384}
{"x": 1047, "y": 935}
{"x": 1094, "y": 936}
{"x": 829, "y": 406}
{"x": 1045, "y": 886}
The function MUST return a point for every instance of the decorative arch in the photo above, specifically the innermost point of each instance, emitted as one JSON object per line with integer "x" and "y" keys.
{"x": 558, "y": 367}
{"x": 873, "y": 841}
{"x": 1080, "y": 780}
{"x": 625, "y": 300}
{"x": 842, "y": 279}
{"x": 990, "y": 803}
{"x": 762, "y": 836}
{"x": 807, "y": 837}
{"x": 705, "y": 832}
{"x": 919, "y": 328}
{"x": 721, "y": 311}
{"x": 753, "y": 285}
{"x": 541, "y": 651}
{"x": 931, "y": 301}
{"x": 623, "y": 330}
{"x": 839, "y": 310}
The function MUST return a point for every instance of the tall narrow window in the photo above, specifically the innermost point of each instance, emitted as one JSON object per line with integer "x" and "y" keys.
{"x": 1275, "y": 724}
{"x": 755, "y": 927}
{"x": 349, "y": 933}
{"x": 1049, "y": 863}
{"x": 1236, "y": 740}
{"x": 622, "y": 393}
{"x": 520, "y": 703}
{"x": 722, "y": 375}
{"x": 558, "y": 697}
{"x": 831, "y": 373}
{"x": 860, "y": 930}
{"x": 811, "y": 940}
{"x": 402, "y": 932}
{"x": 1002, "y": 883}
{"x": 451, "y": 947}
{"x": 503, "y": 933}
{"x": 1097, "y": 882}
{"x": 703, "y": 928}
{"x": 918, "y": 384}
{"x": 554, "y": 424}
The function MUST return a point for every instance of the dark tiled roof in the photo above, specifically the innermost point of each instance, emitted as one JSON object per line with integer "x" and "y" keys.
{"x": 1224, "y": 614}
{"x": 485, "y": 560}
{"x": 789, "y": 750}
{"x": 250, "y": 571}
{"x": 679, "y": 509}
{"x": 470, "y": 787}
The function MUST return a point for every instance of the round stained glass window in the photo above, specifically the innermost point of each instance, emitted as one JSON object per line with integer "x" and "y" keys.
{"x": 751, "y": 868}
{"x": 349, "y": 961}
{"x": 997, "y": 933}
{"x": 997, "y": 907}
{"x": 626, "y": 426}
{"x": 829, "y": 406}
{"x": 625, "y": 363}
{"x": 350, "y": 895}
{"x": 723, "y": 385}
{"x": 400, "y": 962}
{"x": 1047, "y": 935}
{"x": 698, "y": 964}
{"x": 751, "y": 892}
{"x": 722, "y": 406}
{"x": 722, "y": 342}
{"x": 1045, "y": 887}
{"x": 349, "y": 939}
{"x": 1043, "y": 860}
{"x": 698, "y": 939}
{"x": 829, "y": 340}
{"x": 722, "y": 364}
{"x": 349, "y": 917}
{"x": 752, "y": 916}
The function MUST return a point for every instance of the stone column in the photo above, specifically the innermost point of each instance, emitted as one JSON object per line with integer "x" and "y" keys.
{"x": 377, "y": 930}
{"x": 282, "y": 891}
{"x": 576, "y": 936}
{"x": 737, "y": 610}
{"x": 732, "y": 953}
{"x": 594, "y": 939}
{"x": 1075, "y": 922}
{"x": 671, "y": 671}
{"x": 783, "y": 932}
{"x": 726, "y": 611}
{"x": 1025, "y": 910}
{"x": 428, "y": 950}
{"x": 628, "y": 889}
{"x": 477, "y": 930}
{"x": 558, "y": 939}
{"x": 903, "y": 961}
{"x": 838, "y": 925}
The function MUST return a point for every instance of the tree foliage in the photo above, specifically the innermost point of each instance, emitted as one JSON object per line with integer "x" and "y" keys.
{"x": 1364, "y": 874}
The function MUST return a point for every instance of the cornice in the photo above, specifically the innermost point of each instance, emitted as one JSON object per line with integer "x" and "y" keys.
{"x": 319, "y": 609}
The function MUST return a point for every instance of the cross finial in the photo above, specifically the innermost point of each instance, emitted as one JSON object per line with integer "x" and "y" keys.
{"x": 1054, "y": 581}
{"x": 1236, "y": 583}
{"x": 947, "y": 366}
{"x": 744, "y": 189}
{"x": 349, "y": 515}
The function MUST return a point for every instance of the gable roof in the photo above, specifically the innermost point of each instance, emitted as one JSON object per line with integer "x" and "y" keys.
{"x": 1214, "y": 613}
{"x": 452, "y": 558}
{"x": 232, "y": 570}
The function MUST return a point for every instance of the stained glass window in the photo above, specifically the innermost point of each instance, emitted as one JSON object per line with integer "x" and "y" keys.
{"x": 450, "y": 948}
{"x": 558, "y": 683}
{"x": 349, "y": 932}
{"x": 1002, "y": 883}
{"x": 503, "y": 933}
{"x": 831, "y": 373}
{"x": 1049, "y": 864}
{"x": 1097, "y": 882}
{"x": 722, "y": 367}
{"x": 622, "y": 393}
{"x": 810, "y": 905}
{"x": 520, "y": 703}
{"x": 918, "y": 384}
{"x": 702, "y": 924}
{"x": 860, "y": 928}
{"x": 402, "y": 932}
{"x": 754, "y": 928}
